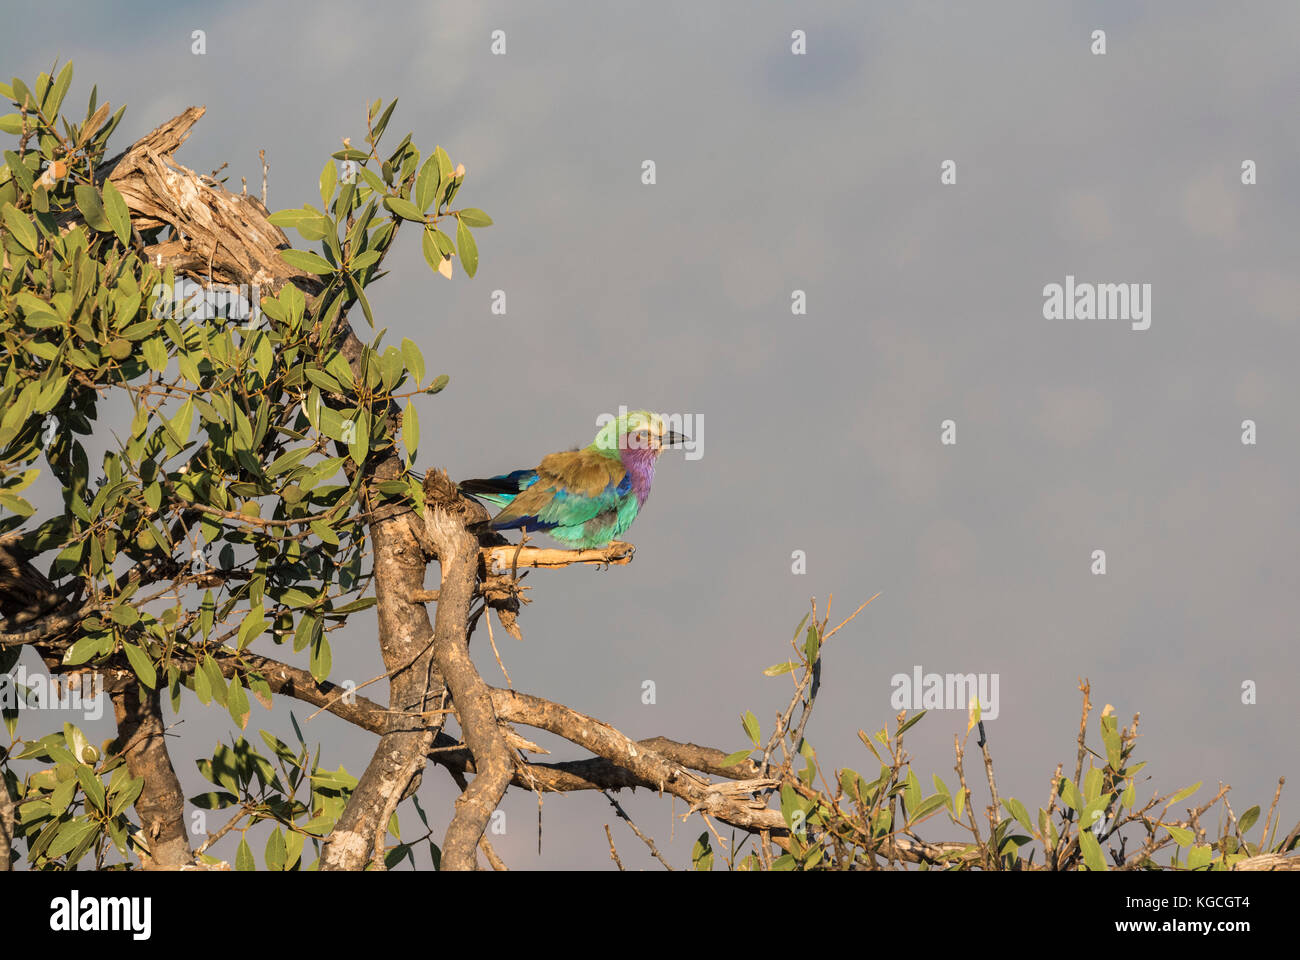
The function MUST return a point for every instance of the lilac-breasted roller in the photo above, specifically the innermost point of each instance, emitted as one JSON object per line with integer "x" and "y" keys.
{"x": 588, "y": 497}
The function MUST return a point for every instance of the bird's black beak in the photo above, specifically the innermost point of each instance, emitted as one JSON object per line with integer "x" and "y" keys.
{"x": 672, "y": 439}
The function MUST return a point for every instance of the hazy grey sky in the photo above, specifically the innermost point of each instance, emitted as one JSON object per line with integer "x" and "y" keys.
{"x": 821, "y": 173}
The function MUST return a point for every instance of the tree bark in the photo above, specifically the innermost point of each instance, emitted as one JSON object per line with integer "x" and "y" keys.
{"x": 141, "y": 739}
{"x": 7, "y": 807}
{"x": 446, "y": 515}
{"x": 406, "y": 644}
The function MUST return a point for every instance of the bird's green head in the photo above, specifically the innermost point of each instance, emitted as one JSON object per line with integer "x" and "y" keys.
{"x": 635, "y": 430}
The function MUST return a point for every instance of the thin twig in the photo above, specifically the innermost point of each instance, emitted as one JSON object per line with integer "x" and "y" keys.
{"x": 612, "y": 852}
{"x": 628, "y": 820}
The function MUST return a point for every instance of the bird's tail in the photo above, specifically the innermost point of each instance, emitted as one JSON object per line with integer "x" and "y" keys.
{"x": 499, "y": 490}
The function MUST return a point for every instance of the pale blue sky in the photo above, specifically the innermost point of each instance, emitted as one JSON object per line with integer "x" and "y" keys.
{"x": 821, "y": 173}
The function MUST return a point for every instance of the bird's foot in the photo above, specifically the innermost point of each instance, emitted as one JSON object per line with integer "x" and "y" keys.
{"x": 617, "y": 550}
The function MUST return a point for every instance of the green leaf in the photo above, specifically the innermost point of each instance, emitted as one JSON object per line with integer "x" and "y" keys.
{"x": 58, "y": 90}
{"x": 468, "y": 248}
{"x": 117, "y": 213}
{"x": 289, "y": 460}
{"x": 1110, "y": 736}
{"x": 202, "y": 688}
{"x": 61, "y": 796}
{"x": 294, "y": 597}
{"x": 155, "y": 354}
{"x": 364, "y": 603}
{"x": 180, "y": 425}
{"x": 216, "y": 682}
{"x": 811, "y": 644}
{"x": 21, "y": 173}
{"x": 474, "y": 217}
{"x": 432, "y": 255}
{"x": 354, "y": 287}
{"x": 125, "y": 615}
{"x": 1182, "y": 836}
{"x": 1186, "y": 792}
{"x": 213, "y": 800}
{"x": 1091, "y": 850}
{"x": 750, "y": 723}
{"x": 404, "y": 209}
{"x": 411, "y": 429}
{"x": 413, "y": 359}
{"x": 912, "y": 791}
{"x": 1092, "y": 784}
{"x": 276, "y": 852}
{"x": 329, "y": 179}
{"x": 251, "y": 628}
{"x": 926, "y": 807}
{"x": 426, "y": 184}
{"x": 279, "y": 748}
{"x": 359, "y": 448}
{"x": 308, "y": 261}
{"x": 381, "y": 124}
{"x": 321, "y": 660}
{"x": 779, "y": 668}
{"x": 244, "y": 857}
{"x": 442, "y": 241}
{"x": 941, "y": 786}
{"x": 70, "y": 835}
{"x": 82, "y": 650}
{"x": 322, "y": 380}
{"x": 1199, "y": 856}
{"x": 792, "y": 809}
{"x": 237, "y": 703}
{"x": 702, "y": 853}
{"x": 93, "y": 787}
{"x": 438, "y": 385}
{"x": 16, "y": 504}
{"x": 342, "y": 371}
{"x": 19, "y": 226}
{"x": 91, "y": 207}
{"x": 910, "y": 723}
{"x": 1017, "y": 810}
{"x": 141, "y": 664}
{"x": 319, "y": 826}
{"x": 1070, "y": 794}
{"x": 1248, "y": 820}
{"x": 444, "y": 163}
{"x": 363, "y": 260}
{"x": 734, "y": 758}
{"x": 292, "y": 217}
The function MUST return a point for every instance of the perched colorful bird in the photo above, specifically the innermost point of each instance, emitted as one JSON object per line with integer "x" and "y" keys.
{"x": 588, "y": 497}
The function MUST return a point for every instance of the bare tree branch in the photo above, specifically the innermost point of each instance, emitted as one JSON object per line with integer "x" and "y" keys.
{"x": 446, "y": 516}
{"x": 7, "y": 807}
{"x": 141, "y": 739}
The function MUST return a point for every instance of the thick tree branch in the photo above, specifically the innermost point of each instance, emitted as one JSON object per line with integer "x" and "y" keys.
{"x": 141, "y": 739}
{"x": 446, "y": 516}
{"x": 7, "y": 808}
{"x": 507, "y": 556}
{"x": 406, "y": 643}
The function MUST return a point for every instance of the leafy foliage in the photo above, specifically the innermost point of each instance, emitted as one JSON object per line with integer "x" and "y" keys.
{"x": 230, "y": 506}
{"x": 1094, "y": 821}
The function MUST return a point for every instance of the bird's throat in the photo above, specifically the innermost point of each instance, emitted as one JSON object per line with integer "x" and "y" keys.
{"x": 640, "y": 466}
